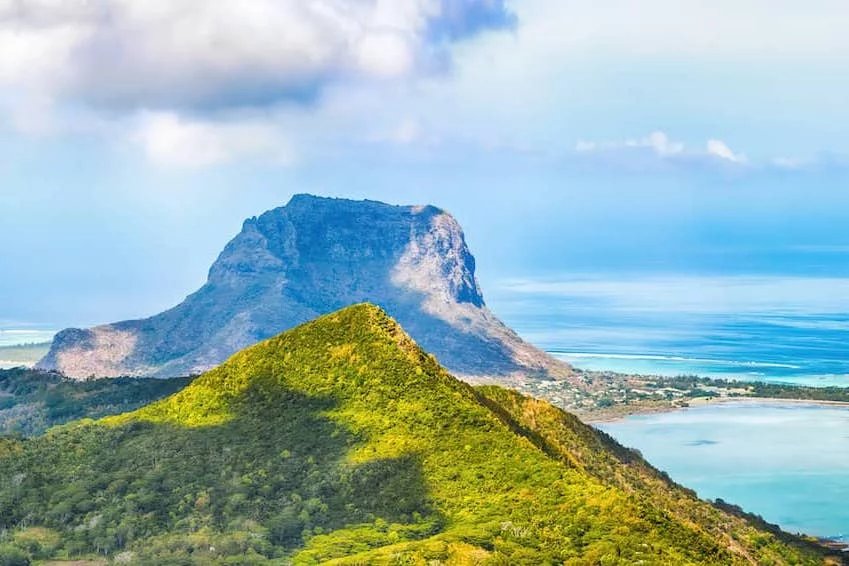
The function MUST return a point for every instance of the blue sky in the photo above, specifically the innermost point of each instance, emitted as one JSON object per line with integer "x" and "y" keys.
{"x": 568, "y": 137}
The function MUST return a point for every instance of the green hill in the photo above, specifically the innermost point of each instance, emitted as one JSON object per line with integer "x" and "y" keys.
{"x": 341, "y": 441}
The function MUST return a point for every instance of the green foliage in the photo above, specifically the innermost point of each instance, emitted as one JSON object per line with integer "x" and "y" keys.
{"x": 755, "y": 388}
{"x": 37, "y": 542}
{"x": 32, "y": 401}
{"x": 341, "y": 441}
{"x": 13, "y": 556}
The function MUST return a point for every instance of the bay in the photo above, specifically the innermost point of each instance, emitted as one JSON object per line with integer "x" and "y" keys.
{"x": 788, "y": 462}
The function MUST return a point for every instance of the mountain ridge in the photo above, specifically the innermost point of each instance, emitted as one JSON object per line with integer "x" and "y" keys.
{"x": 307, "y": 258}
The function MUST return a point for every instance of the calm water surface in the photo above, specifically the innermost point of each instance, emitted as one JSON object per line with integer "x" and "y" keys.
{"x": 788, "y": 462}
{"x": 13, "y": 337}
{"x": 778, "y": 329}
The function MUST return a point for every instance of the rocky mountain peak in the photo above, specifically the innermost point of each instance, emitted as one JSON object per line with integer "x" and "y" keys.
{"x": 327, "y": 242}
{"x": 310, "y": 257}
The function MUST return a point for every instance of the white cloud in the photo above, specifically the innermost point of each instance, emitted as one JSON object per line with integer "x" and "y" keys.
{"x": 199, "y": 53}
{"x": 200, "y": 59}
{"x": 170, "y": 140}
{"x": 721, "y": 150}
{"x": 384, "y": 54}
{"x": 660, "y": 143}
{"x": 194, "y": 82}
{"x": 720, "y": 28}
{"x": 662, "y": 146}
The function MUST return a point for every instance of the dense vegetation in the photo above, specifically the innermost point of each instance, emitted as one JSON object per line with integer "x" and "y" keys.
{"x": 341, "y": 441}
{"x": 758, "y": 389}
{"x": 32, "y": 401}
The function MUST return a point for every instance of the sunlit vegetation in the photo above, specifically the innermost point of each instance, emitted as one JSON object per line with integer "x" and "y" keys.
{"x": 760, "y": 389}
{"x": 341, "y": 441}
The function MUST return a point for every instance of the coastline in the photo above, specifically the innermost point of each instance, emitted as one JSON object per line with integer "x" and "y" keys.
{"x": 605, "y": 396}
{"x": 601, "y": 416}
{"x": 833, "y": 537}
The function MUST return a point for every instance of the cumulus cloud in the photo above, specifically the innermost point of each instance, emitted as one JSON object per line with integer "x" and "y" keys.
{"x": 202, "y": 82}
{"x": 720, "y": 149}
{"x": 199, "y": 53}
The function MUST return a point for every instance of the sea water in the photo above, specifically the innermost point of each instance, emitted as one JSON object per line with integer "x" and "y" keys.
{"x": 788, "y": 462}
{"x": 790, "y": 330}
{"x": 13, "y": 337}
{"x": 10, "y": 357}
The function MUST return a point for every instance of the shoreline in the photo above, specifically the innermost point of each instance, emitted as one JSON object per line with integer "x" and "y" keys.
{"x": 592, "y": 418}
{"x": 839, "y": 543}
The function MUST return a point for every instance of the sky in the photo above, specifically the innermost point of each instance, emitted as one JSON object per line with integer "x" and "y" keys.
{"x": 570, "y": 138}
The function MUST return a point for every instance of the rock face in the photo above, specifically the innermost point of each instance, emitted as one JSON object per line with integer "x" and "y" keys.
{"x": 311, "y": 257}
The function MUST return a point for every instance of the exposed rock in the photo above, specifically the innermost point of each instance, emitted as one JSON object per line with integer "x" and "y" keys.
{"x": 311, "y": 257}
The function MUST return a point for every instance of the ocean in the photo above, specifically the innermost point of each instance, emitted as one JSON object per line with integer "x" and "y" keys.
{"x": 788, "y": 462}
{"x": 11, "y": 352}
{"x": 790, "y": 330}
{"x": 13, "y": 337}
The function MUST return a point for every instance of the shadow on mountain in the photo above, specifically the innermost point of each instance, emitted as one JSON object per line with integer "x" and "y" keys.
{"x": 273, "y": 477}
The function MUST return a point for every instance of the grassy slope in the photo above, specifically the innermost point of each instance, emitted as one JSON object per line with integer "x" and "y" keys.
{"x": 342, "y": 441}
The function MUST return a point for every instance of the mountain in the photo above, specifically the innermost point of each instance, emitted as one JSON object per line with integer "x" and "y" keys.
{"x": 341, "y": 441}
{"x": 308, "y": 258}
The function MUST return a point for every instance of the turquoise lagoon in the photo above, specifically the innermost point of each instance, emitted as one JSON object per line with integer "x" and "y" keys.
{"x": 785, "y": 461}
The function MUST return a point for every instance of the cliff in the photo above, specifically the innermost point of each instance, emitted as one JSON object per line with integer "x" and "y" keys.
{"x": 310, "y": 257}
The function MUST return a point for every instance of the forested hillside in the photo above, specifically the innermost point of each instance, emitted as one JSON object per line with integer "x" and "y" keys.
{"x": 341, "y": 441}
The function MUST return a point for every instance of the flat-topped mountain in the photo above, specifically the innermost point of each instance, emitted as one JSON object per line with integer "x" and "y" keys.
{"x": 341, "y": 441}
{"x": 308, "y": 258}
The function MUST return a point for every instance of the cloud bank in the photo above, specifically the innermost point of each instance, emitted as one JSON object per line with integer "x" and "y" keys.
{"x": 200, "y": 82}
{"x": 344, "y": 71}
{"x": 200, "y": 54}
